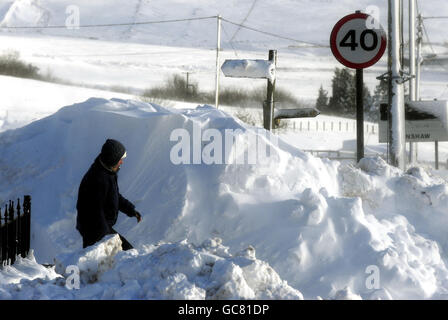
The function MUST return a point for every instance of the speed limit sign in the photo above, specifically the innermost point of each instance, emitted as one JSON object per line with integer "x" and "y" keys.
{"x": 356, "y": 43}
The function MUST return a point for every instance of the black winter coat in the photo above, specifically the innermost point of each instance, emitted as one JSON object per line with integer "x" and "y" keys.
{"x": 99, "y": 201}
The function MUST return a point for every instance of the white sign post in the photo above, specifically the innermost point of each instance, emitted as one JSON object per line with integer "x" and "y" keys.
{"x": 265, "y": 69}
{"x": 357, "y": 44}
{"x": 258, "y": 69}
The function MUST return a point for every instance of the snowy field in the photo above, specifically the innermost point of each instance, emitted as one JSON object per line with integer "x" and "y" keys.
{"x": 293, "y": 227}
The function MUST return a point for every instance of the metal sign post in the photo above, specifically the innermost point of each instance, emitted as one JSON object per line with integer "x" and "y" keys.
{"x": 357, "y": 44}
{"x": 359, "y": 114}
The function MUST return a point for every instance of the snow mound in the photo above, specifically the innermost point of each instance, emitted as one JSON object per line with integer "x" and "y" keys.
{"x": 346, "y": 294}
{"x": 92, "y": 261}
{"x": 165, "y": 271}
{"x": 317, "y": 224}
{"x": 24, "y": 268}
{"x": 185, "y": 271}
{"x": 48, "y": 158}
{"x": 25, "y": 273}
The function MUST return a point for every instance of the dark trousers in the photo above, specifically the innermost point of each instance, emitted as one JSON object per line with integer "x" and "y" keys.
{"x": 88, "y": 241}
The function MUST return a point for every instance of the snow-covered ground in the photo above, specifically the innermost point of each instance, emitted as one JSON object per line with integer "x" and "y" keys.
{"x": 318, "y": 224}
{"x": 166, "y": 271}
{"x": 292, "y": 227}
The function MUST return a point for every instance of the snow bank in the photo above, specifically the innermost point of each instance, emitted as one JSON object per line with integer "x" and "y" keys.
{"x": 25, "y": 273}
{"x": 92, "y": 261}
{"x": 165, "y": 271}
{"x": 48, "y": 158}
{"x": 331, "y": 231}
{"x": 403, "y": 215}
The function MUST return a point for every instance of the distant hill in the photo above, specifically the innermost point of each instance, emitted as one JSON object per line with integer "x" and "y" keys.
{"x": 307, "y": 20}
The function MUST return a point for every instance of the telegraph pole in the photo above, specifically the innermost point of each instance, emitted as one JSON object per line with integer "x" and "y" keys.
{"x": 412, "y": 72}
{"x": 419, "y": 56}
{"x": 397, "y": 151}
{"x": 218, "y": 48}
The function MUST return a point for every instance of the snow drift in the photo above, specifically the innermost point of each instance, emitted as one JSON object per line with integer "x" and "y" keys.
{"x": 322, "y": 226}
{"x": 165, "y": 271}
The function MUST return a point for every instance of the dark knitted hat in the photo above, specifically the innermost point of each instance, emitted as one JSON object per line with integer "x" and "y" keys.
{"x": 111, "y": 152}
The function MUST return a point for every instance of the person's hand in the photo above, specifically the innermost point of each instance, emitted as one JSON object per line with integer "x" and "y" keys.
{"x": 138, "y": 216}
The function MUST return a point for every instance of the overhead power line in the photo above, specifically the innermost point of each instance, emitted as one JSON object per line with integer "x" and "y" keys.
{"x": 245, "y": 18}
{"x": 427, "y": 37}
{"x": 429, "y": 41}
{"x": 230, "y": 41}
{"x": 240, "y": 25}
{"x": 107, "y": 24}
{"x": 276, "y": 35}
{"x": 442, "y": 17}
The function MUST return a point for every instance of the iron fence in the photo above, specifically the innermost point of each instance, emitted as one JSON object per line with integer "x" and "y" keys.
{"x": 15, "y": 230}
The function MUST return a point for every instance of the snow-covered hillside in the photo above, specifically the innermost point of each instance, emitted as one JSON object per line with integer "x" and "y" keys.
{"x": 19, "y": 108}
{"x": 307, "y": 20}
{"x": 142, "y": 56}
{"x": 319, "y": 224}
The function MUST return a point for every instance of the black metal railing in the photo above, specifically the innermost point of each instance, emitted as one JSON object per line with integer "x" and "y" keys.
{"x": 15, "y": 230}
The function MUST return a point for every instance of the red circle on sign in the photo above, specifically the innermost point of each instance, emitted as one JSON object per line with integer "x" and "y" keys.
{"x": 338, "y": 55}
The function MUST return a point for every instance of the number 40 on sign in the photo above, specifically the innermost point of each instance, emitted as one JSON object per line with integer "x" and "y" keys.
{"x": 355, "y": 43}
{"x": 358, "y": 42}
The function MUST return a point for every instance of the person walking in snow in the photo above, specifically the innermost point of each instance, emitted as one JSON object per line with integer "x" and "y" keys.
{"x": 99, "y": 199}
